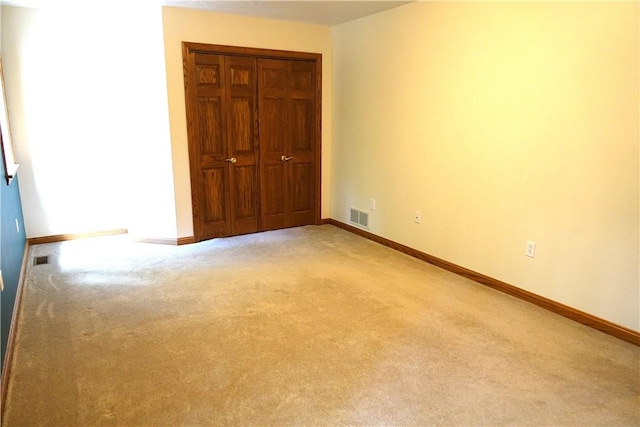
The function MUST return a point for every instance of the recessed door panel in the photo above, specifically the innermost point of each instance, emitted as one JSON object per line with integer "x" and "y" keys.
{"x": 210, "y": 126}
{"x": 273, "y": 75}
{"x": 242, "y": 75}
{"x": 246, "y": 186}
{"x": 302, "y": 76}
{"x": 303, "y": 125}
{"x": 213, "y": 184}
{"x": 208, "y": 75}
{"x": 272, "y": 125}
{"x": 272, "y": 184}
{"x": 241, "y": 124}
{"x": 301, "y": 188}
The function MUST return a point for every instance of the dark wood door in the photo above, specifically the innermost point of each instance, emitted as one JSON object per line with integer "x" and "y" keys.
{"x": 253, "y": 122}
{"x": 287, "y": 105}
{"x": 221, "y": 107}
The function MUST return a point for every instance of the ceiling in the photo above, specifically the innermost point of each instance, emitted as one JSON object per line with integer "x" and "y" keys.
{"x": 320, "y": 12}
{"x": 325, "y": 12}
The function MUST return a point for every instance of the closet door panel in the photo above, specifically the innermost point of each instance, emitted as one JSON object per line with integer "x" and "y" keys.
{"x": 274, "y": 140}
{"x": 253, "y": 124}
{"x": 286, "y": 92}
{"x": 207, "y": 126}
{"x": 242, "y": 144}
{"x": 302, "y": 116}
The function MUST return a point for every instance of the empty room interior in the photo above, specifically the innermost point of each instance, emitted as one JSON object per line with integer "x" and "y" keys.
{"x": 320, "y": 213}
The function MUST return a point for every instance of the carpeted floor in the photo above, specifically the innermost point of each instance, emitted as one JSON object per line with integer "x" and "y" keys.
{"x": 305, "y": 326}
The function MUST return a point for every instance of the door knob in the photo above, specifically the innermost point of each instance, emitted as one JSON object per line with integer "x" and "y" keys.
{"x": 285, "y": 158}
{"x": 231, "y": 160}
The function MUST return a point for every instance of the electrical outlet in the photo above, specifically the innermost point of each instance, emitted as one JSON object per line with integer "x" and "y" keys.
{"x": 417, "y": 216}
{"x": 372, "y": 204}
{"x": 530, "y": 249}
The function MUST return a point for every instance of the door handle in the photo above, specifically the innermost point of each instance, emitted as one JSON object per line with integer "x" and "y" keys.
{"x": 231, "y": 160}
{"x": 285, "y": 158}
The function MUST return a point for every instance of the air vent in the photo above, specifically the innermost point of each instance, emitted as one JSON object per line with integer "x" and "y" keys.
{"x": 359, "y": 218}
{"x": 40, "y": 260}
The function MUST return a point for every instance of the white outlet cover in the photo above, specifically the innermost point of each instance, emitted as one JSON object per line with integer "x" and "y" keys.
{"x": 530, "y": 249}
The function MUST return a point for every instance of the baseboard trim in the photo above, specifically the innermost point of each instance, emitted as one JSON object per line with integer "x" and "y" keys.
{"x": 65, "y": 237}
{"x": 587, "y": 319}
{"x": 186, "y": 240}
{"x": 8, "y": 355}
{"x": 167, "y": 241}
{"x": 156, "y": 240}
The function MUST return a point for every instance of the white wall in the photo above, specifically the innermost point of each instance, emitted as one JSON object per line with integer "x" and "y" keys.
{"x": 501, "y": 122}
{"x": 88, "y": 91}
{"x": 87, "y": 97}
{"x": 215, "y": 28}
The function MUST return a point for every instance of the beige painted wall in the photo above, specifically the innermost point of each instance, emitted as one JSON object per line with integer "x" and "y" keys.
{"x": 215, "y": 28}
{"x": 501, "y": 123}
{"x": 87, "y": 96}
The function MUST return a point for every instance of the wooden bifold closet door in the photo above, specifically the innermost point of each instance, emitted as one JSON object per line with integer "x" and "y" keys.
{"x": 253, "y": 134}
{"x": 287, "y": 134}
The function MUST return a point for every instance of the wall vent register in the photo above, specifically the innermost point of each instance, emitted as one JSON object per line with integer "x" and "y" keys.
{"x": 359, "y": 218}
{"x": 40, "y": 260}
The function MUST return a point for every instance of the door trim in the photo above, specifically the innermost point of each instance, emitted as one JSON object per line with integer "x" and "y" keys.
{"x": 191, "y": 48}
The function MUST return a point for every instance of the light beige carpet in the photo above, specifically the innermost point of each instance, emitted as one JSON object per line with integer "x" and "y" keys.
{"x": 305, "y": 326}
